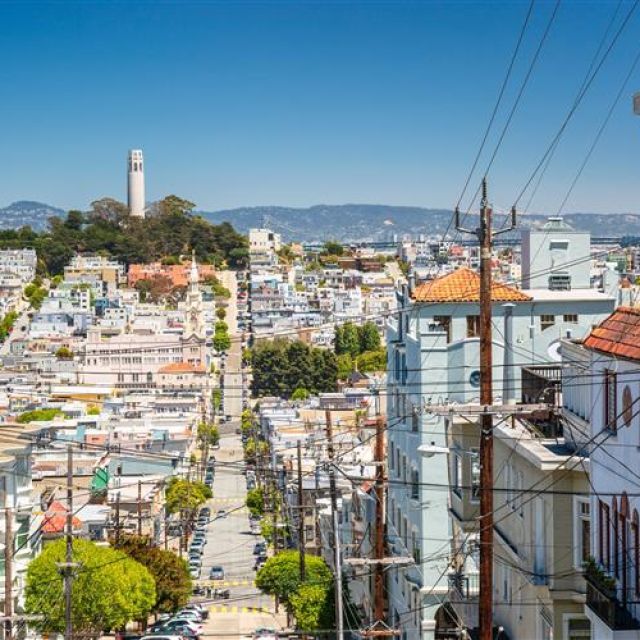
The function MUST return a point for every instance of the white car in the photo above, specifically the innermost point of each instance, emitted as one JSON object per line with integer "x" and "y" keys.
{"x": 265, "y": 633}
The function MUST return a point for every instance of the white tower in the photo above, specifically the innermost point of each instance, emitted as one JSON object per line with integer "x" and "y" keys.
{"x": 194, "y": 324}
{"x": 135, "y": 192}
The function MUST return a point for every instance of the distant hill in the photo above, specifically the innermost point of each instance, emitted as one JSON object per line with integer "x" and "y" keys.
{"x": 27, "y": 212}
{"x": 352, "y": 222}
{"x": 345, "y": 223}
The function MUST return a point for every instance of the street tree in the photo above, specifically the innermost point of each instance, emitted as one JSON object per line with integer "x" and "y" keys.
{"x": 280, "y": 575}
{"x": 171, "y": 573}
{"x": 187, "y": 495}
{"x": 110, "y": 589}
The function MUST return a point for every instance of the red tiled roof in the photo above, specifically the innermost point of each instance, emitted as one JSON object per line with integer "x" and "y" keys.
{"x": 55, "y": 519}
{"x": 619, "y": 334}
{"x": 182, "y": 367}
{"x": 463, "y": 285}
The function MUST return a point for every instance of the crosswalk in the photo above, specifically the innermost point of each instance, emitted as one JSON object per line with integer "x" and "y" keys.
{"x": 239, "y": 500}
{"x": 219, "y": 584}
{"x": 230, "y": 608}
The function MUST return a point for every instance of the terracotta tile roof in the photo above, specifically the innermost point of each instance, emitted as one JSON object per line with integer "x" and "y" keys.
{"x": 463, "y": 285}
{"x": 619, "y": 334}
{"x": 182, "y": 367}
{"x": 55, "y": 519}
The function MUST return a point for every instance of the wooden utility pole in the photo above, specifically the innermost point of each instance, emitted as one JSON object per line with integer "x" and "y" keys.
{"x": 301, "y": 541}
{"x": 139, "y": 505}
{"x": 68, "y": 575}
{"x": 117, "y": 527}
{"x": 485, "y": 236}
{"x": 379, "y": 544}
{"x": 8, "y": 573}
{"x": 334, "y": 520}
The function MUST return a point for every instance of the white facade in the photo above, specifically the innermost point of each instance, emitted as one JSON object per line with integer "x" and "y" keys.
{"x": 264, "y": 241}
{"x": 135, "y": 184}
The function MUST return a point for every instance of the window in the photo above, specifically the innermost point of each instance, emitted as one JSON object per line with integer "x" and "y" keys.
{"x": 415, "y": 484}
{"x": 415, "y": 421}
{"x": 473, "y": 326}
{"x": 445, "y": 323}
{"x": 581, "y": 531}
{"x": 475, "y": 475}
{"x": 546, "y": 321}
{"x": 627, "y": 406}
{"x": 610, "y": 401}
{"x": 616, "y": 538}
{"x": 604, "y": 534}
{"x": 570, "y": 317}
{"x": 392, "y": 453}
{"x": 577, "y": 628}
{"x": 560, "y": 282}
{"x": 456, "y": 481}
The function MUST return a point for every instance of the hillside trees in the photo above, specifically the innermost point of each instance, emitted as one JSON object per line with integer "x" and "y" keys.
{"x": 280, "y": 367}
{"x": 170, "y": 229}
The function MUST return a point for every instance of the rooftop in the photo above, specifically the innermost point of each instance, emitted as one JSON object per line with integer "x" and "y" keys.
{"x": 618, "y": 335}
{"x": 463, "y": 285}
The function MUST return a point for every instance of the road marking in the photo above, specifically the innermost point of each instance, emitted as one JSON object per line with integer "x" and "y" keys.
{"x": 230, "y": 608}
{"x": 244, "y": 582}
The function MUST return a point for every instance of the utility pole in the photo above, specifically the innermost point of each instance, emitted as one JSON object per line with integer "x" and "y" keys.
{"x": 68, "y": 575}
{"x": 139, "y": 505}
{"x": 117, "y": 527}
{"x": 485, "y": 236}
{"x": 8, "y": 573}
{"x": 379, "y": 545}
{"x": 301, "y": 541}
{"x": 334, "y": 520}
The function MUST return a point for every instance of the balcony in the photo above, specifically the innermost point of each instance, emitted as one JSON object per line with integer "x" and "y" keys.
{"x": 467, "y": 585}
{"x": 464, "y": 588}
{"x": 604, "y": 603}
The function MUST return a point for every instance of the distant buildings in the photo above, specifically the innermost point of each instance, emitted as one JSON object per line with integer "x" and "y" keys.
{"x": 135, "y": 184}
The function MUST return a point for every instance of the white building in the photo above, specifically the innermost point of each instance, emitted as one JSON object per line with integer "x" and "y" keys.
{"x": 613, "y": 580}
{"x": 264, "y": 241}
{"x": 135, "y": 184}
{"x": 19, "y": 262}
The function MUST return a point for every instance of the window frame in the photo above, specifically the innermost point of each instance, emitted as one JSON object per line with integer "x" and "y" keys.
{"x": 578, "y": 531}
{"x": 610, "y": 399}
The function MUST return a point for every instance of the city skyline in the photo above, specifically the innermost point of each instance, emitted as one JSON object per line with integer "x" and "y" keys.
{"x": 295, "y": 104}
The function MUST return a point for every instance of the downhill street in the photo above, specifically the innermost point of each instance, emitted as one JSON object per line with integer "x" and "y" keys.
{"x": 230, "y": 545}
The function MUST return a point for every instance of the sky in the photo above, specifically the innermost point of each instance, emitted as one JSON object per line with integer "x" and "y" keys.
{"x": 240, "y": 103}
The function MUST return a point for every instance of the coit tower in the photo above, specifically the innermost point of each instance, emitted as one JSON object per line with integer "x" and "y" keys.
{"x": 135, "y": 192}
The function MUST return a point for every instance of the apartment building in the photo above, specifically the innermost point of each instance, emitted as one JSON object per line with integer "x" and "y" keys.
{"x": 433, "y": 359}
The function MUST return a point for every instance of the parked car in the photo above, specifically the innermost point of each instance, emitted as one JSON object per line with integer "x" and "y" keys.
{"x": 160, "y": 637}
{"x": 260, "y": 548}
{"x": 216, "y": 573}
{"x": 265, "y": 633}
{"x": 222, "y": 513}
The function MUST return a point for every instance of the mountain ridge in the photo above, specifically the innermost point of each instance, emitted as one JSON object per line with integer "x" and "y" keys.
{"x": 345, "y": 223}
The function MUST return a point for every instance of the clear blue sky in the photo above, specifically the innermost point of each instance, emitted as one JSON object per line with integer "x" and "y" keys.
{"x": 297, "y": 103}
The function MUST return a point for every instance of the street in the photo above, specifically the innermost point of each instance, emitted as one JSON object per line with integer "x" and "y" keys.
{"x": 232, "y": 399}
{"x": 230, "y": 545}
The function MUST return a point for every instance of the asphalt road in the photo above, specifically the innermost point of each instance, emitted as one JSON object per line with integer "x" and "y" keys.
{"x": 230, "y": 545}
{"x": 233, "y": 378}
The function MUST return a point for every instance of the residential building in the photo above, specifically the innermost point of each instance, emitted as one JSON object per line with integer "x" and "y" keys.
{"x": 433, "y": 359}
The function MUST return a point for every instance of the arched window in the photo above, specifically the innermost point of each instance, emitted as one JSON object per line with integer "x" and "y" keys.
{"x": 616, "y": 538}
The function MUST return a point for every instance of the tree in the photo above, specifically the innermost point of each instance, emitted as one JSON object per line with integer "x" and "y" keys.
{"x": 280, "y": 575}
{"x": 216, "y": 399}
{"x": 64, "y": 353}
{"x": 109, "y": 590}
{"x": 38, "y": 415}
{"x": 372, "y": 361}
{"x": 300, "y": 394}
{"x": 221, "y": 313}
{"x": 221, "y": 341}
{"x": 312, "y": 607}
{"x": 368, "y": 337}
{"x": 93, "y": 411}
{"x": 281, "y": 366}
{"x": 171, "y": 573}
{"x": 186, "y": 495}
{"x": 345, "y": 366}
{"x": 208, "y": 434}
{"x": 255, "y": 501}
{"x": 332, "y": 248}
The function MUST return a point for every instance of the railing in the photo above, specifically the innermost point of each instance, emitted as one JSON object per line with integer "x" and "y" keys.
{"x": 605, "y": 604}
